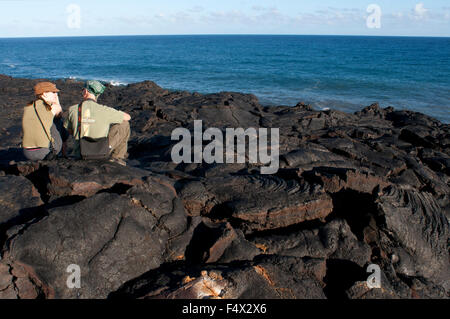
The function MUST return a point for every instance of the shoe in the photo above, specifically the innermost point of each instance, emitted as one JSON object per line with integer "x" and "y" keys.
{"x": 118, "y": 161}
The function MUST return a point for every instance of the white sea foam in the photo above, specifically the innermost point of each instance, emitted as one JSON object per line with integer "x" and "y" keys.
{"x": 8, "y": 64}
{"x": 84, "y": 78}
{"x": 117, "y": 83}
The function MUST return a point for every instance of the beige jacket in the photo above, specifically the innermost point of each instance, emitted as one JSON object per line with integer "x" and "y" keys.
{"x": 33, "y": 132}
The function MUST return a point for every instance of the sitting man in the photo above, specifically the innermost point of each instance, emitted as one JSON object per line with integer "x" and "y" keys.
{"x": 99, "y": 121}
{"x": 43, "y": 134}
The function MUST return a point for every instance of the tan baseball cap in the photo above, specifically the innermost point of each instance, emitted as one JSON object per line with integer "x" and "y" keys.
{"x": 43, "y": 87}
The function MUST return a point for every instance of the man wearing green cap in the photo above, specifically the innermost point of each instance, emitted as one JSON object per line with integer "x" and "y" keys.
{"x": 99, "y": 121}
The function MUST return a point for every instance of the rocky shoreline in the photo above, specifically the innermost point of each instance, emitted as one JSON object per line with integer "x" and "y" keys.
{"x": 352, "y": 190}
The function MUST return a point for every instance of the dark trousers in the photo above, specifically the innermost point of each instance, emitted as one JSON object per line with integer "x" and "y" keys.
{"x": 59, "y": 135}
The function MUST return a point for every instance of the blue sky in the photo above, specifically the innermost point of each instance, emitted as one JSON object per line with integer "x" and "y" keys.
{"x": 31, "y": 18}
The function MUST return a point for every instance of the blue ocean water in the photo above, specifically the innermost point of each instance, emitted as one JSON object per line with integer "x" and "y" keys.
{"x": 337, "y": 72}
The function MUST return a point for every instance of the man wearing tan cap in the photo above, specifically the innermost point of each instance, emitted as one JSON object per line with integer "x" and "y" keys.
{"x": 43, "y": 132}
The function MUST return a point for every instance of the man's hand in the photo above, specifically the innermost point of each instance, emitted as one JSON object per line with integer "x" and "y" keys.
{"x": 57, "y": 109}
{"x": 52, "y": 99}
{"x": 56, "y": 106}
{"x": 126, "y": 117}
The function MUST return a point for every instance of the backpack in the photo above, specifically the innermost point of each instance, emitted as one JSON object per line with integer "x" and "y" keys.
{"x": 92, "y": 148}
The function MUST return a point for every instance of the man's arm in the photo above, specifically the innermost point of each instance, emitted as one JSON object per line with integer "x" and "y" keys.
{"x": 112, "y": 115}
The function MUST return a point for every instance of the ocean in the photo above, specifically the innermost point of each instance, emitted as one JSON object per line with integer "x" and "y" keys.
{"x": 329, "y": 72}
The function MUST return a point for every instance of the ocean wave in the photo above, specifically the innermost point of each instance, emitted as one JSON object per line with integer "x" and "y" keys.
{"x": 111, "y": 82}
{"x": 116, "y": 83}
{"x": 8, "y": 64}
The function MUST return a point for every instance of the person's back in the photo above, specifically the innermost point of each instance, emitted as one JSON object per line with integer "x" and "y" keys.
{"x": 35, "y": 133}
{"x": 43, "y": 135}
{"x": 95, "y": 120}
{"x": 99, "y": 121}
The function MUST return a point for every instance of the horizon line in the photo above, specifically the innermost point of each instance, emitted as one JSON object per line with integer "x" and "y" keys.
{"x": 225, "y": 34}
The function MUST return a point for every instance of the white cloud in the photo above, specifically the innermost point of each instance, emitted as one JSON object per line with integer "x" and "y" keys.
{"x": 420, "y": 11}
{"x": 272, "y": 17}
{"x": 268, "y": 19}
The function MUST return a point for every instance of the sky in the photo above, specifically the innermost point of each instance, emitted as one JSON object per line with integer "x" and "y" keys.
{"x": 42, "y": 18}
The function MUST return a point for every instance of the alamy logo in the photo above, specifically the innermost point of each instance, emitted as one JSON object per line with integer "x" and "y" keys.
{"x": 374, "y": 19}
{"x": 74, "y": 279}
{"x": 74, "y": 18}
{"x": 374, "y": 280}
{"x": 231, "y": 150}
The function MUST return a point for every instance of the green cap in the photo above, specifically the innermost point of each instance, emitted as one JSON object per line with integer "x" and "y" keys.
{"x": 95, "y": 87}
